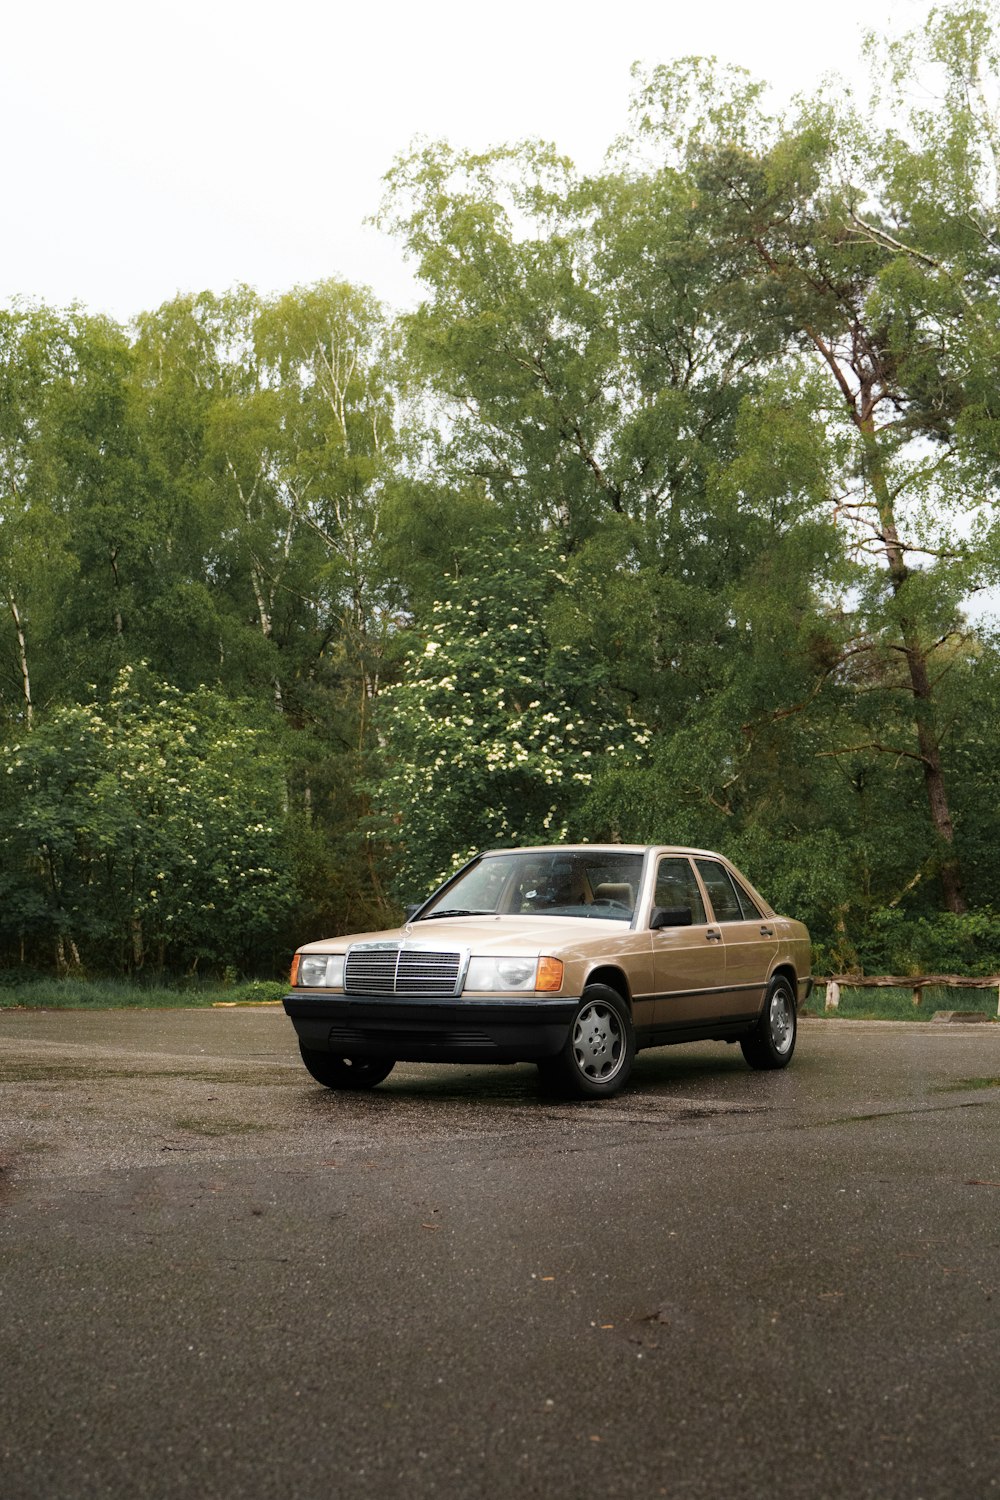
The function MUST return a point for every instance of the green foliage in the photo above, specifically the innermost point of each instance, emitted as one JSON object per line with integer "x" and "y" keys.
{"x": 498, "y": 729}
{"x": 18, "y": 990}
{"x": 942, "y": 943}
{"x": 659, "y": 518}
{"x": 148, "y": 829}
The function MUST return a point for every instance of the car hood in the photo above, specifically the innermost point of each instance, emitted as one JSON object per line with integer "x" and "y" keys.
{"x": 521, "y": 936}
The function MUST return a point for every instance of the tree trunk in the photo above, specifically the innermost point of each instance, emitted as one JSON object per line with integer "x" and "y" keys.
{"x": 138, "y": 946}
{"x": 862, "y": 400}
{"x": 66, "y": 965}
{"x": 934, "y": 783}
{"x": 915, "y": 652}
{"x": 22, "y": 656}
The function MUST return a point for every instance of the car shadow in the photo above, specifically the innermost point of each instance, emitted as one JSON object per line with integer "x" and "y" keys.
{"x": 661, "y": 1073}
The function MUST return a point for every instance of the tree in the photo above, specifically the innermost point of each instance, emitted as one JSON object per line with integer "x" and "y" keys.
{"x": 824, "y": 257}
{"x": 603, "y": 387}
{"x": 148, "y": 829}
{"x": 276, "y": 420}
{"x": 35, "y": 563}
{"x": 497, "y": 730}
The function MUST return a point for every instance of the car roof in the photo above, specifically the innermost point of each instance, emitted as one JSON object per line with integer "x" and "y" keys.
{"x": 602, "y": 848}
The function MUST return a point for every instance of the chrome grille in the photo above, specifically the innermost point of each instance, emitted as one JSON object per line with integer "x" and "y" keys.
{"x": 426, "y": 973}
{"x": 395, "y": 970}
{"x": 370, "y": 970}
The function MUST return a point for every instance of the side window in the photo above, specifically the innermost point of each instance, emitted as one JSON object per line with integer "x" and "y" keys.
{"x": 751, "y": 911}
{"x": 721, "y": 891}
{"x": 676, "y": 886}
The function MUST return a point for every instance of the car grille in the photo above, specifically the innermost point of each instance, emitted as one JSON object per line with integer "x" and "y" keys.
{"x": 400, "y": 971}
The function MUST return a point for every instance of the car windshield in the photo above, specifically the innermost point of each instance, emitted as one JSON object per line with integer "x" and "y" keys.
{"x": 578, "y": 883}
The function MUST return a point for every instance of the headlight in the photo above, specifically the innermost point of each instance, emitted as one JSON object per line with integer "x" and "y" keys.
{"x": 501, "y": 974}
{"x": 514, "y": 974}
{"x": 321, "y": 971}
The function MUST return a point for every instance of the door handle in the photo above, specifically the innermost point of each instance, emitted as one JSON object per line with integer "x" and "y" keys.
{"x": 713, "y": 935}
{"x": 767, "y": 932}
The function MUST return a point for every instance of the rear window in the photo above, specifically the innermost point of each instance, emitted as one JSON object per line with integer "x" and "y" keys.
{"x": 721, "y": 891}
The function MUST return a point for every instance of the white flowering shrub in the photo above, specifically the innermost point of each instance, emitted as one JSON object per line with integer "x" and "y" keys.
{"x": 149, "y": 829}
{"x": 496, "y": 732}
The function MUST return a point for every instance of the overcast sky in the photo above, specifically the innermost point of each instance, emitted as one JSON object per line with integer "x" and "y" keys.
{"x": 154, "y": 148}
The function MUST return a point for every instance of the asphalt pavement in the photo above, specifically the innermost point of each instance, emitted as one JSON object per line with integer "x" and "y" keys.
{"x": 219, "y": 1279}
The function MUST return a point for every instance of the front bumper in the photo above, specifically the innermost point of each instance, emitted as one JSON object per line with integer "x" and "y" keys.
{"x": 493, "y": 1030}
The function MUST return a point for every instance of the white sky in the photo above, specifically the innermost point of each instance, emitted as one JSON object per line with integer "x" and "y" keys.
{"x": 151, "y": 148}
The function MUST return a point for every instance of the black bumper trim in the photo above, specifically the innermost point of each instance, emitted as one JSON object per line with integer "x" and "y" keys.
{"x": 431, "y": 1030}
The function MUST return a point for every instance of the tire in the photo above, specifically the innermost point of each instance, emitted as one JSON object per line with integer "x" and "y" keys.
{"x": 336, "y": 1072}
{"x": 599, "y": 1051}
{"x": 772, "y": 1041}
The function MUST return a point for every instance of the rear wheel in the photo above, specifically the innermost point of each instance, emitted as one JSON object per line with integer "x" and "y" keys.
{"x": 772, "y": 1041}
{"x": 597, "y": 1057}
{"x": 336, "y": 1072}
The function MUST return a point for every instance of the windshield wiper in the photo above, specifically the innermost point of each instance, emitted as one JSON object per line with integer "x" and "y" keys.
{"x": 454, "y": 911}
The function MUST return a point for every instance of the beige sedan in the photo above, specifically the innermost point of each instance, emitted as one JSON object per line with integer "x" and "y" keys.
{"x": 573, "y": 957}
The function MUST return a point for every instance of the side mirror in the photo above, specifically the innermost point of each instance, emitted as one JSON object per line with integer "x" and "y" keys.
{"x": 670, "y": 916}
{"x": 409, "y": 912}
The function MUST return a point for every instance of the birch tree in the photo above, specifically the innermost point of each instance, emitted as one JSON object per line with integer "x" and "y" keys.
{"x": 34, "y": 563}
{"x": 820, "y": 232}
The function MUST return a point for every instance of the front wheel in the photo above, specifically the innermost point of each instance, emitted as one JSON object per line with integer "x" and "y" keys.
{"x": 336, "y": 1072}
{"x": 772, "y": 1041}
{"x": 597, "y": 1056}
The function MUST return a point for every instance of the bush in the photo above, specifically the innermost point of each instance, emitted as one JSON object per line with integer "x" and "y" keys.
{"x": 145, "y": 833}
{"x": 944, "y": 943}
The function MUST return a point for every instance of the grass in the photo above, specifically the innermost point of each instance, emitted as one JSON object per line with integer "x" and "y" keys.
{"x": 863, "y": 1004}
{"x": 122, "y": 994}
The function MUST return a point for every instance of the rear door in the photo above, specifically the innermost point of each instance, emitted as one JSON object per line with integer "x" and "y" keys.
{"x": 748, "y": 936}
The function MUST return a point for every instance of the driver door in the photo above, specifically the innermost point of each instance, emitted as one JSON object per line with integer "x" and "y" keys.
{"x": 689, "y": 963}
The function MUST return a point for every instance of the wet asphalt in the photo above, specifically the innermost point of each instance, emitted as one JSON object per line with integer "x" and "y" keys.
{"x": 219, "y": 1279}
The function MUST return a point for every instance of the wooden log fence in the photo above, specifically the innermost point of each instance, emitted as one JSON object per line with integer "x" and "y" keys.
{"x": 915, "y": 982}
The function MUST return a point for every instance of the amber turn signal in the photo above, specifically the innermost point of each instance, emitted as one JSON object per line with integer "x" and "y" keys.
{"x": 295, "y": 969}
{"x": 550, "y": 975}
